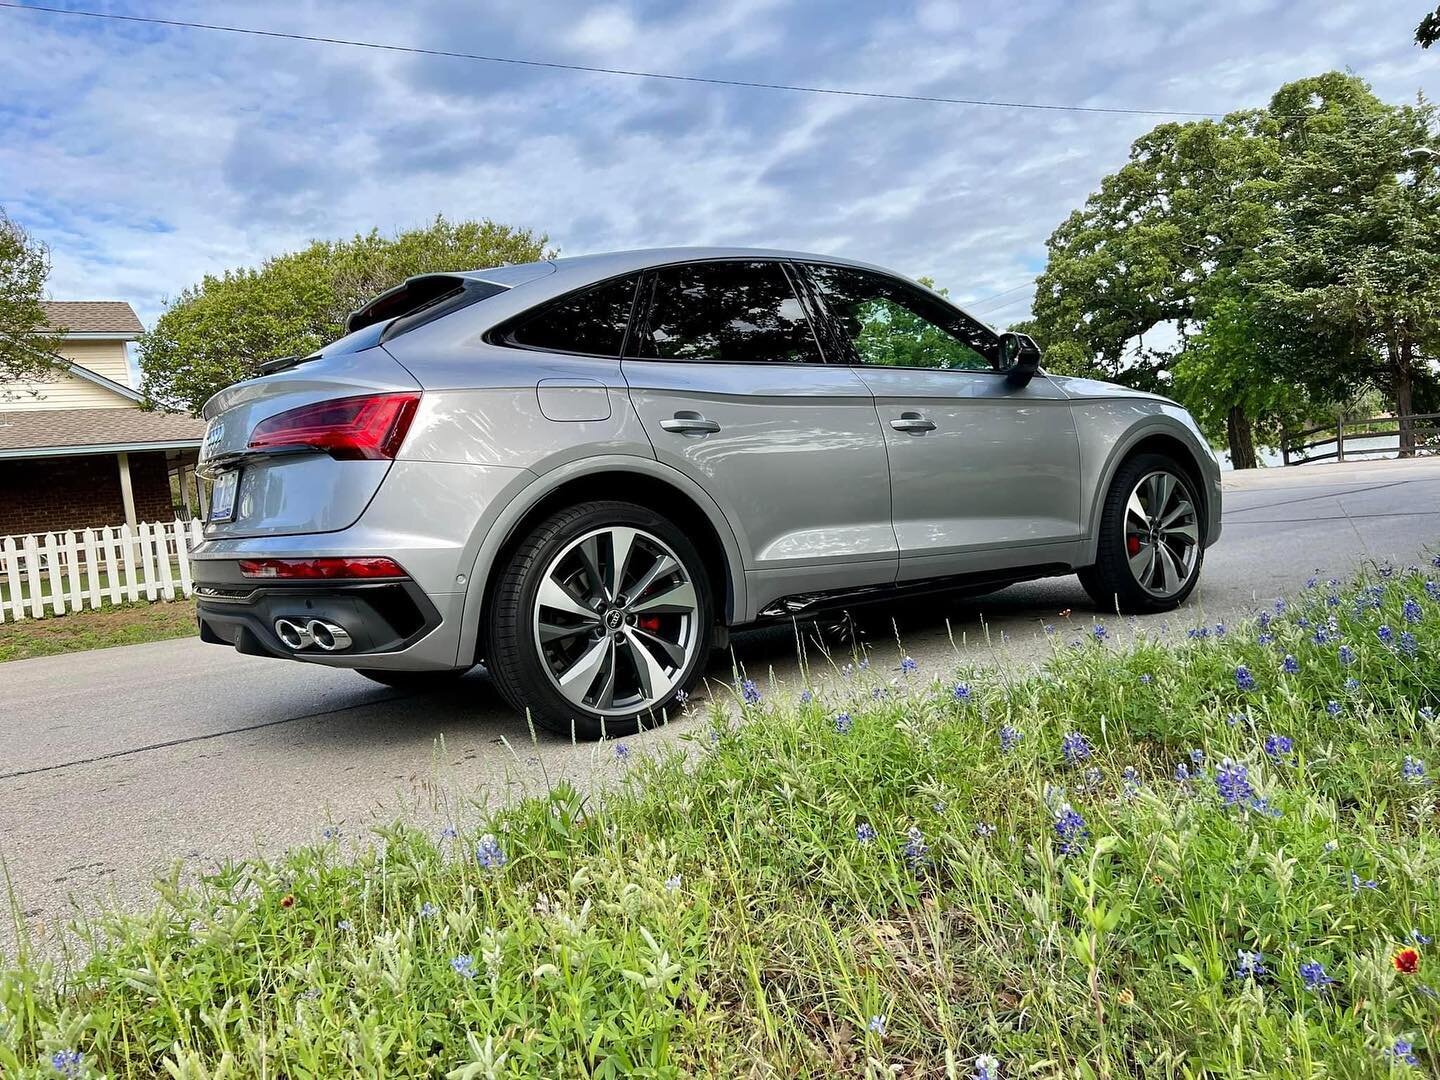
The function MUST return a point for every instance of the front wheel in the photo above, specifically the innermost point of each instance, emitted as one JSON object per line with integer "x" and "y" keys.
{"x": 1151, "y": 539}
{"x": 600, "y": 619}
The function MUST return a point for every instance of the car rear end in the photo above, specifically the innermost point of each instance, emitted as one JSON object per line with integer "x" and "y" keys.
{"x": 323, "y": 541}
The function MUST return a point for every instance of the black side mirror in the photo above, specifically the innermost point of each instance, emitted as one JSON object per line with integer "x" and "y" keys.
{"x": 1019, "y": 358}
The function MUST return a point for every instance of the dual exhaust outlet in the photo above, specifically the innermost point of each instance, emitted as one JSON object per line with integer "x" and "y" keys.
{"x": 297, "y": 634}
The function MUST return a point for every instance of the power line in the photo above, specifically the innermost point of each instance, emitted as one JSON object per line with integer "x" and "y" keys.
{"x": 997, "y": 296}
{"x": 625, "y": 72}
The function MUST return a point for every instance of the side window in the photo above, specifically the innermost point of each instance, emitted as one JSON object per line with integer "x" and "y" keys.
{"x": 890, "y": 324}
{"x": 736, "y": 312}
{"x": 591, "y": 321}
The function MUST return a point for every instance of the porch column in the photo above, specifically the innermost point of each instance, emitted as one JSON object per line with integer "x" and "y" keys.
{"x": 127, "y": 492}
{"x": 183, "y": 482}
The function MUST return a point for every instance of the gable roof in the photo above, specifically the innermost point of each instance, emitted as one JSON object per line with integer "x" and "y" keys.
{"x": 92, "y": 317}
{"x": 108, "y": 384}
{"x": 55, "y": 432}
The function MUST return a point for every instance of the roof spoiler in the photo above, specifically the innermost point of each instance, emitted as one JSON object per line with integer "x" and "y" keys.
{"x": 408, "y": 297}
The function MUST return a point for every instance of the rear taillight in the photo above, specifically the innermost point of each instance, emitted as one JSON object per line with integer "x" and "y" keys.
{"x": 350, "y": 428}
{"x": 365, "y": 567}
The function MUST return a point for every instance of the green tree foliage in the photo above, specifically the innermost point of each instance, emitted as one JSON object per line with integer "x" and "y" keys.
{"x": 1428, "y": 32}
{"x": 27, "y": 345}
{"x": 217, "y": 332}
{"x": 1237, "y": 219}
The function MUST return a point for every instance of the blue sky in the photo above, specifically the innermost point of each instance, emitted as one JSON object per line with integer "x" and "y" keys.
{"x": 148, "y": 157}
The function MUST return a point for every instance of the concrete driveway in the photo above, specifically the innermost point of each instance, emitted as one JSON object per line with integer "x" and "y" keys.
{"x": 114, "y": 763}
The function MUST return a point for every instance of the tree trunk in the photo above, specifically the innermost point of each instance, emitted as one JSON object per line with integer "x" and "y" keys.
{"x": 1241, "y": 437}
{"x": 1404, "y": 406}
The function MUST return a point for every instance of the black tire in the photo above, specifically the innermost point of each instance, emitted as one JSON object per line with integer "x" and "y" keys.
{"x": 413, "y": 680}
{"x": 1110, "y": 582}
{"x": 513, "y": 656}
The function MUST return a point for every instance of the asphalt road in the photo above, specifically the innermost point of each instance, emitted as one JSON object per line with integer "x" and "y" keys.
{"x": 117, "y": 762}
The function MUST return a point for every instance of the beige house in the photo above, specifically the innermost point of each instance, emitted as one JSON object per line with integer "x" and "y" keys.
{"x": 76, "y": 450}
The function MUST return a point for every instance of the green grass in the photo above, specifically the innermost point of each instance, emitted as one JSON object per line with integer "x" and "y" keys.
{"x": 128, "y": 624}
{"x": 103, "y": 577}
{"x": 723, "y": 913}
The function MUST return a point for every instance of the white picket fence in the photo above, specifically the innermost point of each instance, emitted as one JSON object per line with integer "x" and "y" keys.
{"x": 58, "y": 572}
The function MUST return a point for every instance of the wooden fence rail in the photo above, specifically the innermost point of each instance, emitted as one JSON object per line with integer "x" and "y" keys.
{"x": 1296, "y": 446}
{"x": 52, "y": 573}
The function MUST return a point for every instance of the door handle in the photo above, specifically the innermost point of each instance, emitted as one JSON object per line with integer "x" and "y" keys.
{"x": 689, "y": 423}
{"x": 913, "y": 422}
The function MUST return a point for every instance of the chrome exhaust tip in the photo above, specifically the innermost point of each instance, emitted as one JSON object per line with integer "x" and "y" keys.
{"x": 328, "y": 636}
{"x": 293, "y": 635}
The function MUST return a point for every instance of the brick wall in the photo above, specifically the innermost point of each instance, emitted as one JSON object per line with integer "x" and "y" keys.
{"x": 42, "y": 495}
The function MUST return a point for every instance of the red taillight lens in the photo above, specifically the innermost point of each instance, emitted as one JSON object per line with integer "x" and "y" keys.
{"x": 330, "y": 568}
{"x": 346, "y": 428}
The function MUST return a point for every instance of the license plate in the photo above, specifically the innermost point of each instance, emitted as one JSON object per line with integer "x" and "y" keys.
{"x": 222, "y": 495}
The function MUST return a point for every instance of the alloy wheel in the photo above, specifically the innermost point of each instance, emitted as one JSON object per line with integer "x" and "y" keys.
{"x": 1162, "y": 533}
{"x": 616, "y": 621}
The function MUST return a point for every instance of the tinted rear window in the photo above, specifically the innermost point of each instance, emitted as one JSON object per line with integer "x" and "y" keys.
{"x": 592, "y": 321}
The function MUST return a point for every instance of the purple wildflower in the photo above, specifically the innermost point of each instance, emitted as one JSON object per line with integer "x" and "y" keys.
{"x": 68, "y": 1062}
{"x": 1289, "y": 665}
{"x": 750, "y": 692}
{"x": 1070, "y": 830}
{"x": 1009, "y": 738}
{"x": 1412, "y": 768}
{"x": 463, "y": 965}
{"x": 843, "y": 723}
{"x": 1411, "y": 610}
{"x": 1075, "y": 747}
{"x": 1279, "y": 747}
{"x": 908, "y": 666}
{"x": 1233, "y": 783}
{"x": 877, "y": 1025}
{"x": 865, "y": 832}
{"x": 1243, "y": 679}
{"x": 962, "y": 693}
{"x": 1403, "y": 1052}
{"x": 1315, "y": 976}
{"x": 489, "y": 853}
{"x": 1249, "y": 965}
{"x": 915, "y": 846}
{"x": 1385, "y": 634}
{"x": 806, "y": 697}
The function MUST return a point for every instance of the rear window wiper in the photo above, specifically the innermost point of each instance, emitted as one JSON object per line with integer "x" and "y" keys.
{"x": 283, "y": 363}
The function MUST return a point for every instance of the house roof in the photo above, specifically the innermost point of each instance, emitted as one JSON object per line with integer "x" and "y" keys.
{"x": 60, "y": 432}
{"x": 92, "y": 317}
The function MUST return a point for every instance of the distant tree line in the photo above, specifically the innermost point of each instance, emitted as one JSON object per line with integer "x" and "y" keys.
{"x": 1264, "y": 269}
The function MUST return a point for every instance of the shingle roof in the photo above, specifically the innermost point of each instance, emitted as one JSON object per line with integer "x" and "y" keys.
{"x": 46, "y": 430}
{"x": 92, "y": 316}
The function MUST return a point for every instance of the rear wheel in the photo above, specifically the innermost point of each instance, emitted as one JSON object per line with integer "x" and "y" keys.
{"x": 1150, "y": 548}
{"x": 601, "y": 617}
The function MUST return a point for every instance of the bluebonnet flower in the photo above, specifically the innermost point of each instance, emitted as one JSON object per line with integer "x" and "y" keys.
{"x": 1146, "y": 679}
{"x": 489, "y": 853}
{"x": 1279, "y": 747}
{"x": 1432, "y": 590}
{"x": 1303, "y": 623}
{"x": 1403, "y": 1052}
{"x": 1009, "y": 738}
{"x": 1070, "y": 829}
{"x": 1233, "y": 783}
{"x": 463, "y": 965}
{"x": 68, "y": 1062}
{"x": 1132, "y": 782}
{"x": 330, "y": 832}
{"x": 1049, "y": 629}
{"x": 962, "y": 693}
{"x": 915, "y": 846}
{"x": 1198, "y": 633}
{"x": 428, "y": 910}
{"x": 1197, "y": 756}
{"x": 448, "y": 833}
{"x": 1264, "y": 620}
{"x": 1321, "y": 635}
{"x": 1099, "y": 632}
{"x": 1411, "y": 610}
{"x": 1219, "y": 629}
{"x": 908, "y": 666}
{"x": 1386, "y": 569}
{"x": 1312, "y": 582}
{"x": 877, "y": 1025}
{"x": 1075, "y": 747}
{"x": 1092, "y": 778}
{"x": 1265, "y": 639}
{"x": 1385, "y": 634}
{"x": 622, "y": 751}
{"x": 672, "y": 883}
{"x": 987, "y": 1067}
{"x": 843, "y": 723}
{"x": 806, "y": 697}
{"x": 1262, "y": 806}
{"x": 750, "y": 692}
{"x": 1243, "y": 679}
{"x": 1333, "y": 708}
{"x": 1236, "y": 718}
{"x": 1280, "y": 607}
{"x": 1419, "y": 938}
{"x": 865, "y": 832}
{"x": 984, "y": 829}
{"x": 1289, "y": 665}
{"x": 1249, "y": 965}
{"x": 1332, "y": 600}
{"x": 1352, "y": 685}
{"x": 1408, "y": 644}
{"x": 1357, "y": 882}
{"x": 1182, "y": 772}
{"x": 1435, "y": 560}
{"x": 1412, "y": 768}
{"x": 1315, "y": 976}
{"x": 1334, "y": 583}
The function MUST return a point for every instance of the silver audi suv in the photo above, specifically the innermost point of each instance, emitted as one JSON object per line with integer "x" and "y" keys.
{"x": 583, "y": 473}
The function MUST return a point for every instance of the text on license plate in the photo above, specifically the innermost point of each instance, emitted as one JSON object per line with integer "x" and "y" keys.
{"x": 222, "y": 495}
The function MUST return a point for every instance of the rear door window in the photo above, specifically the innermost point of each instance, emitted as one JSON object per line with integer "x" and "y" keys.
{"x": 735, "y": 312}
{"x": 592, "y": 321}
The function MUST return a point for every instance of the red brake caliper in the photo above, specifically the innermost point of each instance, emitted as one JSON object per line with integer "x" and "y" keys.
{"x": 1132, "y": 544}
{"x": 649, "y": 623}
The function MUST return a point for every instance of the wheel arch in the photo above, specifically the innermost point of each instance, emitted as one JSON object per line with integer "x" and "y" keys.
{"x": 638, "y": 480}
{"x": 1151, "y": 439}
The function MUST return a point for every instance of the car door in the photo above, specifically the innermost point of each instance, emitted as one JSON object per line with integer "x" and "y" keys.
{"x": 729, "y": 381}
{"x": 983, "y": 475}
